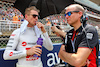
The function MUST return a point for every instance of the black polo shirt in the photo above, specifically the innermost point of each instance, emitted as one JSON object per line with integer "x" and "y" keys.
{"x": 83, "y": 39}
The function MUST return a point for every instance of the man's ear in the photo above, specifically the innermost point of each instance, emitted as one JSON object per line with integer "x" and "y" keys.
{"x": 26, "y": 16}
{"x": 81, "y": 14}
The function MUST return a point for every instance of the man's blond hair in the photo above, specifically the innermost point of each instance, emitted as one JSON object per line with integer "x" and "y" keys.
{"x": 27, "y": 10}
{"x": 77, "y": 7}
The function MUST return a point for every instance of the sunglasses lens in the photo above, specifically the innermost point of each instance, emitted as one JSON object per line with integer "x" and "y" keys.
{"x": 69, "y": 13}
{"x": 65, "y": 15}
{"x": 34, "y": 16}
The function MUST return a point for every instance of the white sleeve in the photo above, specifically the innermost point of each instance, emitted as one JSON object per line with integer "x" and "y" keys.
{"x": 10, "y": 51}
{"x": 47, "y": 43}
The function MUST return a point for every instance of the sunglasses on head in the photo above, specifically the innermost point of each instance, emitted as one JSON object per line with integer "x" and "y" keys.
{"x": 70, "y": 12}
{"x": 34, "y": 16}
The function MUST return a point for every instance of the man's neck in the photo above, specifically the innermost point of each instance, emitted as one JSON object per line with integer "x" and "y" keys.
{"x": 77, "y": 25}
{"x": 30, "y": 25}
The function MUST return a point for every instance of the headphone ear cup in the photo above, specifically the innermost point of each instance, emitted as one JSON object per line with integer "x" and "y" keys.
{"x": 84, "y": 18}
{"x": 81, "y": 19}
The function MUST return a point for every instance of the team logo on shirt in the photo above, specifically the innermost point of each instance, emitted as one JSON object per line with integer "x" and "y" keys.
{"x": 11, "y": 53}
{"x": 11, "y": 38}
{"x": 24, "y": 43}
{"x": 89, "y": 35}
{"x": 13, "y": 34}
{"x": 10, "y": 42}
{"x": 31, "y": 57}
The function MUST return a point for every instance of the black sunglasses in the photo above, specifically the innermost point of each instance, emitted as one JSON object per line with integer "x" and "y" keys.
{"x": 34, "y": 16}
{"x": 70, "y": 12}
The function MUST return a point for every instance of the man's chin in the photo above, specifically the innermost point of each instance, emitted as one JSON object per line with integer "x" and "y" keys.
{"x": 35, "y": 24}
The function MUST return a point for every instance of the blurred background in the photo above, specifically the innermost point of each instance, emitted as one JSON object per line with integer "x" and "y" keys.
{"x": 11, "y": 19}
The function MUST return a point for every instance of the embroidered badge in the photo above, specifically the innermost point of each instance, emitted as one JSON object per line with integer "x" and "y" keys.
{"x": 89, "y": 35}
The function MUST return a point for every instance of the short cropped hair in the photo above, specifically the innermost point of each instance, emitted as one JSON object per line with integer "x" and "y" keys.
{"x": 77, "y": 7}
{"x": 27, "y": 10}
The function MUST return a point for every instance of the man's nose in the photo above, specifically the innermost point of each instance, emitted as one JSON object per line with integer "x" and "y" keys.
{"x": 36, "y": 18}
{"x": 66, "y": 16}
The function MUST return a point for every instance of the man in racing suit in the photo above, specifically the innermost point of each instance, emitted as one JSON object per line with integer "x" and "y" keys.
{"x": 81, "y": 42}
{"x": 22, "y": 43}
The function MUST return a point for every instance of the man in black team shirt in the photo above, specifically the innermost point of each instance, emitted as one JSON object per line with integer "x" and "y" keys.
{"x": 80, "y": 42}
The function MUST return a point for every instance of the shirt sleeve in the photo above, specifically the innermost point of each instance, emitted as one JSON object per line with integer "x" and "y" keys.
{"x": 90, "y": 38}
{"x": 10, "y": 51}
{"x": 47, "y": 43}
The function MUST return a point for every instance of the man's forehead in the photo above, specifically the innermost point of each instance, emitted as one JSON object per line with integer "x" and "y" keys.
{"x": 33, "y": 11}
{"x": 69, "y": 9}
